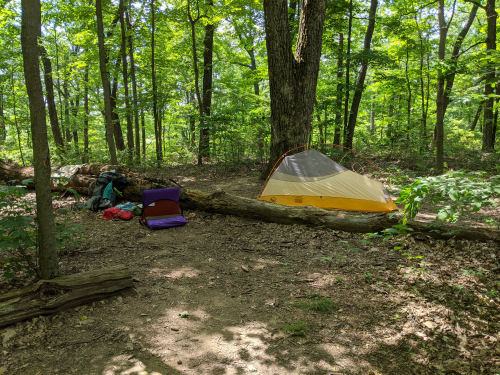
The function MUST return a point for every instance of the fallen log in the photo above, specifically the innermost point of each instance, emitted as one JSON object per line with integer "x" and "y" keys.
{"x": 223, "y": 203}
{"x": 50, "y": 296}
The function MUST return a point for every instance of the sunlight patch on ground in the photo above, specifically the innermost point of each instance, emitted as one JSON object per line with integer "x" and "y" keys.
{"x": 195, "y": 347}
{"x": 176, "y": 274}
{"x": 127, "y": 365}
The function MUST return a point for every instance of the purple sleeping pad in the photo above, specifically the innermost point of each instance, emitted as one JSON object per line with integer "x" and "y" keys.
{"x": 151, "y": 196}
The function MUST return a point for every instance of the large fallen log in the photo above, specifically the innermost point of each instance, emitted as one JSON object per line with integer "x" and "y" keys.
{"x": 51, "y": 296}
{"x": 223, "y": 203}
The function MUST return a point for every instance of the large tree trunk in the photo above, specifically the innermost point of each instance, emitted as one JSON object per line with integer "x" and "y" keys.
{"x": 117, "y": 127}
{"x": 50, "y": 296}
{"x": 51, "y": 104}
{"x": 292, "y": 78}
{"x": 488, "y": 143}
{"x": 358, "y": 90}
{"x": 30, "y": 35}
{"x": 105, "y": 83}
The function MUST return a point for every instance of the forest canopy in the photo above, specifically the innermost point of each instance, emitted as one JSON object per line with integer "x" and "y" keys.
{"x": 188, "y": 80}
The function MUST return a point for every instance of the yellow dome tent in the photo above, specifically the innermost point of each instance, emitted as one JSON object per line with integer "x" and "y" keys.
{"x": 310, "y": 178}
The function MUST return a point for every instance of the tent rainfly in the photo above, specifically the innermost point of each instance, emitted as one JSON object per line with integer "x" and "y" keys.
{"x": 310, "y": 178}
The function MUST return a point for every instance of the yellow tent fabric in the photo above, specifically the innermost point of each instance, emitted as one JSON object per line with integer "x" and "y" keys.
{"x": 310, "y": 178}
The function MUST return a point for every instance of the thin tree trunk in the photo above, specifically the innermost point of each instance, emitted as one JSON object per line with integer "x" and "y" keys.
{"x": 134, "y": 86}
{"x": 143, "y": 128}
{"x": 488, "y": 143}
{"x": 408, "y": 105}
{"x": 446, "y": 77}
{"x": 130, "y": 131}
{"x": 476, "y": 116}
{"x": 159, "y": 156}
{"x": 338, "y": 101}
{"x": 348, "y": 71}
{"x": 117, "y": 127}
{"x": 67, "y": 126}
{"x": 49, "y": 89}
{"x": 85, "y": 158}
{"x": 14, "y": 113}
{"x": 30, "y": 34}
{"x": 208, "y": 47}
{"x": 105, "y": 83}
{"x": 358, "y": 91}
{"x": 3, "y": 128}
{"x": 59, "y": 96}
{"x": 75, "y": 106}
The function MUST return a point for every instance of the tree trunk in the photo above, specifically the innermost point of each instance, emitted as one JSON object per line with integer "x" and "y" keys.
{"x": 67, "y": 126}
{"x": 117, "y": 127}
{"x": 446, "y": 76}
{"x": 86, "y": 114}
{"x": 338, "y": 100}
{"x": 75, "y": 106}
{"x": 359, "y": 88}
{"x": 158, "y": 143}
{"x": 488, "y": 143}
{"x": 128, "y": 112}
{"x": 51, "y": 104}
{"x": 14, "y": 113}
{"x": 292, "y": 78}
{"x": 408, "y": 104}
{"x": 134, "y": 86}
{"x": 208, "y": 48}
{"x": 105, "y": 83}
{"x": 476, "y": 117}
{"x": 51, "y": 296}
{"x": 3, "y": 128}
{"x": 30, "y": 35}
{"x": 348, "y": 71}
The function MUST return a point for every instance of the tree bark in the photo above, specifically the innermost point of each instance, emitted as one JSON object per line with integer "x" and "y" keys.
{"x": 488, "y": 143}
{"x": 105, "y": 83}
{"x": 134, "y": 86}
{"x": 338, "y": 100}
{"x": 348, "y": 70}
{"x": 3, "y": 128}
{"x": 292, "y": 78}
{"x": 30, "y": 35}
{"x": 51, "y": 104}
{"x": 476, "y": 116}
{"x": 208, "y": 48}
{"x": 446, "y": 76}
{"x": 128, "y": 112}
{"x": 86, "y": 114}
{"x": 51, "y": 296}
{"x": 117, "y": 127}
{"x": 158, "y": 139}
{"x": 359, "y": 88}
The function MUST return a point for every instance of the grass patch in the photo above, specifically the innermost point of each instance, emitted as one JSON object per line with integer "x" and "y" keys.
{"x": 295, "y": 329}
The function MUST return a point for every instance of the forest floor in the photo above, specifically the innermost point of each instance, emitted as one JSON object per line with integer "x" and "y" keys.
{"x": 229, "y": 295}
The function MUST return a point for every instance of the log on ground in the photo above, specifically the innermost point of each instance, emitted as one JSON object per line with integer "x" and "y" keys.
{"x": 50, "y": 296}
{"x": 222, "y": 203}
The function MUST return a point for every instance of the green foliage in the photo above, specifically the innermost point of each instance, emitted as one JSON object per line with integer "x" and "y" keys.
{"x": 295, "y": 329}
{"x": 453, "y": 194}
{"x": 18, "y": 232}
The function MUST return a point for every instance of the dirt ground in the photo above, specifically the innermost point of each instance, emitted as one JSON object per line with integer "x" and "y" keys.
{"x": 229, "y": 295}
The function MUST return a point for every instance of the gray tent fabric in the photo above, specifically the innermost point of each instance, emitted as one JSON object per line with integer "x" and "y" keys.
{"x": 309, "y": 164}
